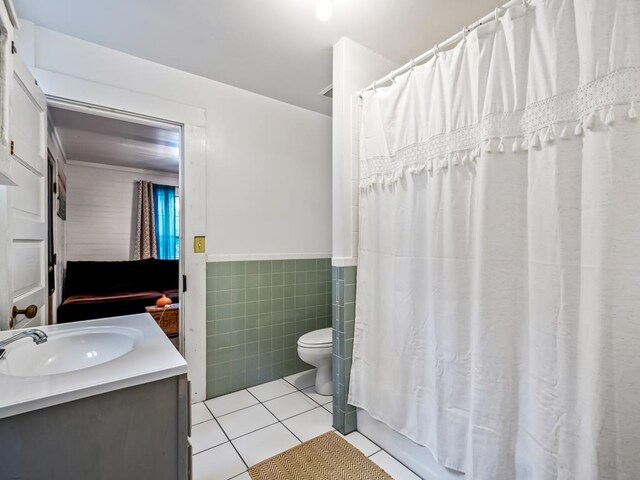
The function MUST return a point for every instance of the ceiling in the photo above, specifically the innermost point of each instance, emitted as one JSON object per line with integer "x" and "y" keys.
{"x": 97, "y": 139}
{"x": 277, "y": 48}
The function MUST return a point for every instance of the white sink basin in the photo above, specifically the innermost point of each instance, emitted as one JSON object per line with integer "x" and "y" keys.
{"x": 68, "y": 351}
{"x": 81, "y": 359}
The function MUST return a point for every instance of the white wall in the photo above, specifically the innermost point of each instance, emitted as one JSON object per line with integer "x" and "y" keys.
{"x": 354, "y": 67}
{"x": 268, "y": 162}
{"x": 100, "y": 209}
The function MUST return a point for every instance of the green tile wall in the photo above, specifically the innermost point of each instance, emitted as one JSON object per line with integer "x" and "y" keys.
{"x": 343, "y": 288}
{"x": 256, "y": 311}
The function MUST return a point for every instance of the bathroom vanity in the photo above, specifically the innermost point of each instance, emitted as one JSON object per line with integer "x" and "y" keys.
{"x": 100, "y": 399}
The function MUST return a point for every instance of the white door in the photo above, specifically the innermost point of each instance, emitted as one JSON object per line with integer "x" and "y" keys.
{"x": 25, "y": 212}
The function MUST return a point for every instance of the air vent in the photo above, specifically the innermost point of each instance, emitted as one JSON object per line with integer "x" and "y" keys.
{"x": 327, "y": 91}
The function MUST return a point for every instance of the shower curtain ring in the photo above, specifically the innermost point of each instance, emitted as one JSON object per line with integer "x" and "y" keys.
{"x": 464, "y": 34}
{"x": 375, "y": 89}
{"x": 497, "y": 13}
{"x": 411, "y": 64}
{"x": 436, "y": 51}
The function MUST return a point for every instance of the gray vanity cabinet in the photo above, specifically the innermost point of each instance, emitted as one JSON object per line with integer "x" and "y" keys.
{"x": 134, "y": 433}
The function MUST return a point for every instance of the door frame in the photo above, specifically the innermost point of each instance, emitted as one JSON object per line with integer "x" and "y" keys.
{"x": 72, "y": 92}
{"x": 51, "y": 233}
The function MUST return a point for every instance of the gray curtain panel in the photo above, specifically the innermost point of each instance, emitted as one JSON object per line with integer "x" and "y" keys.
{"x": 145, "y": 230}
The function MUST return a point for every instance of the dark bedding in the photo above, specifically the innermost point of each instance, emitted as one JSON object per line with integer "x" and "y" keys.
{"x": 108, "y": 289}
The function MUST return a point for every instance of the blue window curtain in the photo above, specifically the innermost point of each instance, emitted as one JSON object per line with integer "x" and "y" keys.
{"x": 167, "y": 236}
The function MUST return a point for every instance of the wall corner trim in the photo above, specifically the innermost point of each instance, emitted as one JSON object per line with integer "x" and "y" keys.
{"x": 247, "y": 257}
{"x": 344, "y": 261}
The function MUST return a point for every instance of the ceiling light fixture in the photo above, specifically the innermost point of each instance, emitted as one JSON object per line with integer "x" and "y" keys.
{"x": 323, "y": 10}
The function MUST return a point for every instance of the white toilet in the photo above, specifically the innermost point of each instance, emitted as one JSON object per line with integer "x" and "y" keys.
{"x": 316, "y": 348}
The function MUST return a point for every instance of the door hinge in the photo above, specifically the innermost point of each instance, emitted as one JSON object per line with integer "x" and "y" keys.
{"x": 13, "y": 47}
{"x": 184, "y": 283}
{"x": 13, "y": 147}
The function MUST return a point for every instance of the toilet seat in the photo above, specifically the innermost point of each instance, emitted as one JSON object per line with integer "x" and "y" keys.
{"x": 317, "y": 339}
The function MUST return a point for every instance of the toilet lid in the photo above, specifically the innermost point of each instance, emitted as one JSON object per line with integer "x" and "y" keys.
{"x": 317, "y": 338}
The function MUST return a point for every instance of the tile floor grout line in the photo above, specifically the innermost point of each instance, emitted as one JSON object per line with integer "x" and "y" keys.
{"x": 208, "y": 448}
{"x": 270, "y": 412}
{"x": 298, "y": 390}
{"x": 282, "y": 422}
{"x": 245, "y": 408}
{"x": 309, "y": 397}
{"x": 236, "y": 450}
{"x": 301, "y": 390}
{"x": 283, "y": 419}
{"x": 324, "y": 407}
{"x": 291, "y": 432}
{"x": 274, "y": 398}
{"x": 212, "y": 415}
{"x": 234, "y": 411}
{"x": 194, "y": 424}
{"x": 240, "y": 474}
{"x": 257, "y": 399}
{"x": 398, "y": 461}
{"x": 282, "y": 396}
{"x": 278, "y": 421}
{"x": 367, "y": 438}
{"x": 298, "y": 414}
{"x": 369, "y": 456}
{"x": 230, "y": 441}
{"x": 226, "y": 436}
{"x": 289, "y": 381}
{"x": 293, "y": 384}
{"x": 240, "y": 456}
{"x": 254, "y": 431}
{"x": 374, "y": 443}
{"x": 279, "y": 396}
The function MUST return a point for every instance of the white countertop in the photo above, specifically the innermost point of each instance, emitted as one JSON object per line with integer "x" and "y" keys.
{"x": 153, "y": 358}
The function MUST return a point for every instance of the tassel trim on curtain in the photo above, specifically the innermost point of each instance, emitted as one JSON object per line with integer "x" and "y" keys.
{"x": 597, "y": 104}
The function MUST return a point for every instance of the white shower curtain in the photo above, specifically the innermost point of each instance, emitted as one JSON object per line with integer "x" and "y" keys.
{"x": 498, "y": 301}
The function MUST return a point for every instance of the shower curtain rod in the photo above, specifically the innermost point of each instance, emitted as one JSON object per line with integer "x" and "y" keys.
{"x": 497, "y": 13}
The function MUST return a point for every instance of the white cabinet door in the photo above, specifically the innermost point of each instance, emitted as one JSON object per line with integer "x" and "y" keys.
{"x": 24, "y": 205}
{"x": 7, "y": 24}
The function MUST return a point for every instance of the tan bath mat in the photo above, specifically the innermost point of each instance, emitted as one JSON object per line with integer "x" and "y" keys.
{"x": 325, "y": 457}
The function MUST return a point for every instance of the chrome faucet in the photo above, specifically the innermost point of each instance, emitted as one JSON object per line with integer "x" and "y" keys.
{"x": 38, "y": 336}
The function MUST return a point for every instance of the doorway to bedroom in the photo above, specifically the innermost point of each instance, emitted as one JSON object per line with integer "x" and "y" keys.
{"x": 118, "y": 226}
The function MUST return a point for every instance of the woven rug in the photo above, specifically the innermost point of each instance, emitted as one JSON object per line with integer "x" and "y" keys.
{"x": 325, "y": 457}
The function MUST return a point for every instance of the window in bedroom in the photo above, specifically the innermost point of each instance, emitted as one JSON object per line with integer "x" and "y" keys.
{"x": 167, "y": 212}
{"x": 177, "y": 216}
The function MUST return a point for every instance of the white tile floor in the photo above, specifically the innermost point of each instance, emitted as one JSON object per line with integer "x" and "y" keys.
{"x": 238, "y": 430}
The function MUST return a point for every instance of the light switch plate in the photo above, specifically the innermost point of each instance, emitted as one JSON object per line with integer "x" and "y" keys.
{"x": 199, "y": 244}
